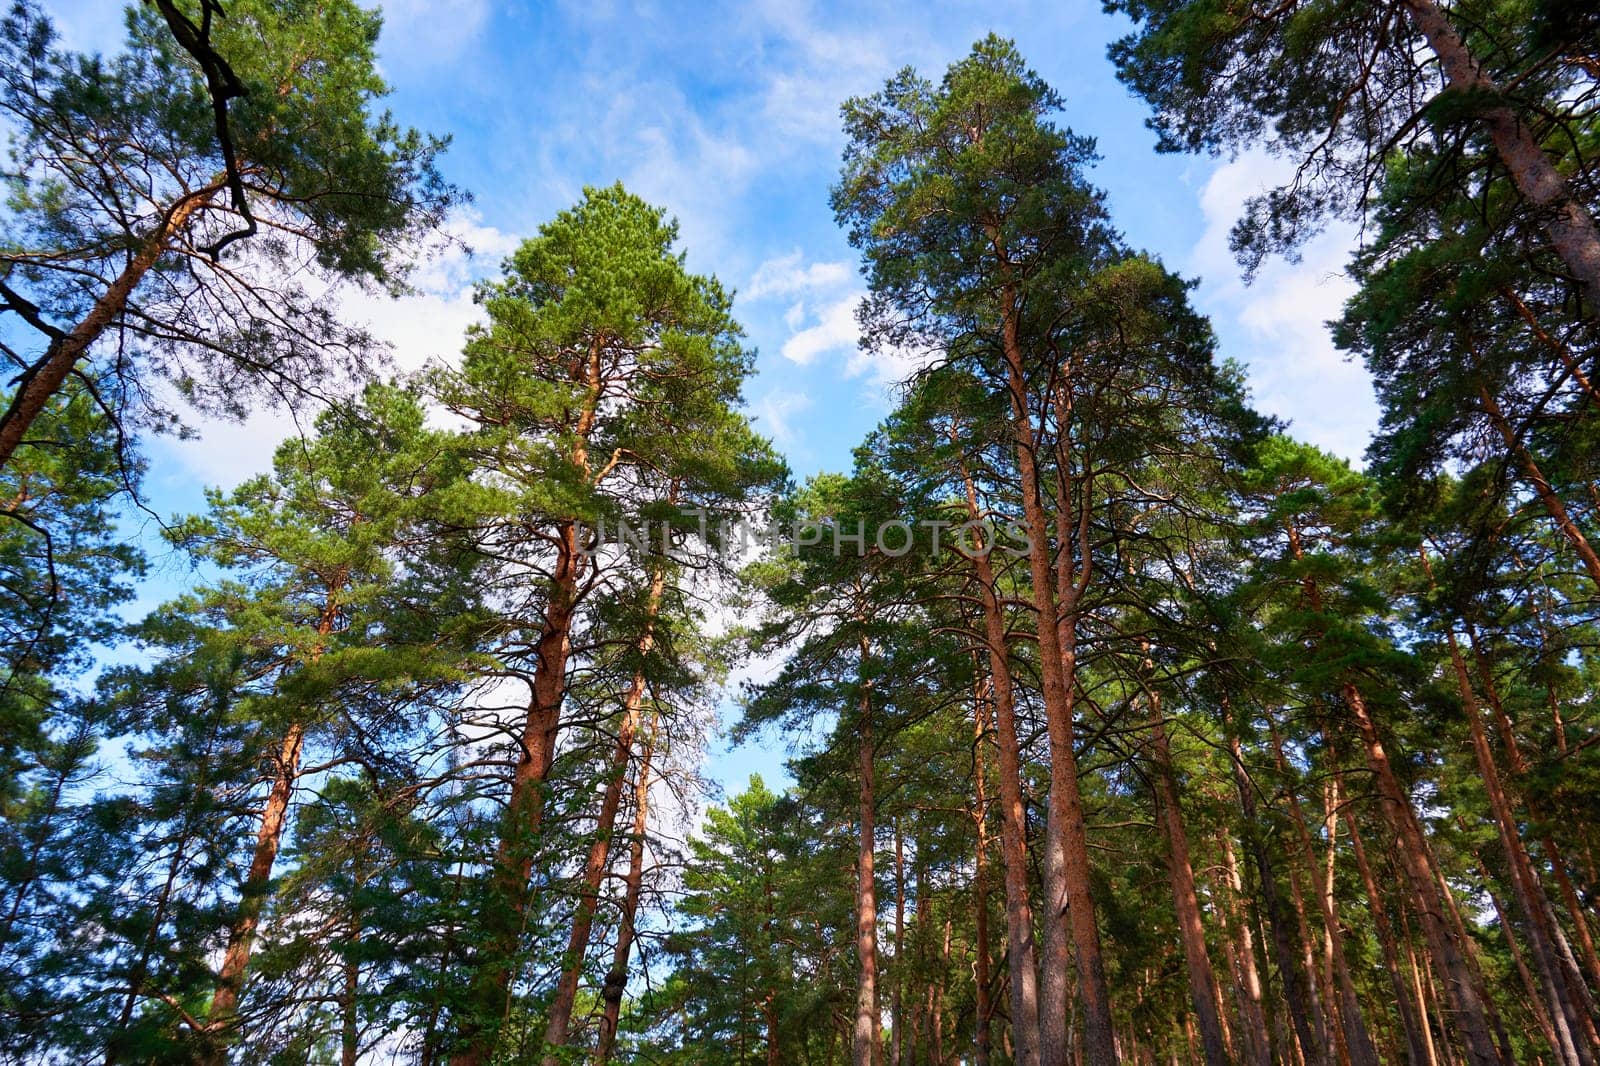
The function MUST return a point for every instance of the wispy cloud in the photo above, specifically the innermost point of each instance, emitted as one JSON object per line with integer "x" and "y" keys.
{"x": 1277, "y": 324}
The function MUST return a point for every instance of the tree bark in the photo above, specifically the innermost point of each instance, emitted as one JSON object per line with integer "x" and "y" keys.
{"x": 1191, "y": 932}
{"x": 1566, "y": 220}
{"x": 44, "y": 378}
{"x": 616, "y": 981}
{"x": 1416, "y": 862}
{"x": 1068, "y": 900}
{"x": 1020, "y": 958}
{"x": 598, "y": 859}
{"x": 867, "y": 1039}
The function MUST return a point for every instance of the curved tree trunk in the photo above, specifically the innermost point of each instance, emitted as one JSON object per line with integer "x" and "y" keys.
{"x": 616, "y": 981}
{"x": 1572, "y": 230}
{"x": 44, "y": 378}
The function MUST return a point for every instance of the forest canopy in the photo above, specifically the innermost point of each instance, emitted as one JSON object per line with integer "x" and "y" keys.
{"x": 1122, "y": 723}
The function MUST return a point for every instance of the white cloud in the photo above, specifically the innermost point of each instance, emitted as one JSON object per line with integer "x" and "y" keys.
{"x": 1277, "y": 324}
{"x": 788, "y": 275}
{"x": 776, "y": 413}
{"x": 430, "y": 33}
{"x": 835, "y": 330}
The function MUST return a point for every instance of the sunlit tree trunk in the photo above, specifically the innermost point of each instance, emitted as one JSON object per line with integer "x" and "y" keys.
{"x": 1020, "y": 957}
{"x": 598, "y": 859}
{"x": 616, "y": 981}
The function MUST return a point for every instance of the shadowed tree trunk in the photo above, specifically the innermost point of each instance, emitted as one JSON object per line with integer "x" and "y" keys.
{"x": 1191, "y": 932}
{"x": 1568, "y": 222}
{"x": 1411, "y": 1021}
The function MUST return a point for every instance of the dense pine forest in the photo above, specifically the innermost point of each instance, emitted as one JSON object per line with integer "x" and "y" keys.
{"x": 1122, "y": 724}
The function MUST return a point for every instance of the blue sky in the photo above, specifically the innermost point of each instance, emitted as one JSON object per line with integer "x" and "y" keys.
{"x": 727, "y": 115}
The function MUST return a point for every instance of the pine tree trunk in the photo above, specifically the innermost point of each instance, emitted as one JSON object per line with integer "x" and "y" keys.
{"x": 349, "y": 1004}
{"x": 598, "y": 859}
{"x": 1020, "y": 957}
{"x": 1242, "y": 954}
{"x": 1530, "y": 987}
{"x": 42, "y": 380}
{"x": 253, "y": 895}
{"x": 1294, "y": 990}
{"x": 867, "y": 1037}
{"x": 1412, "y": 1016}
{"x": 897, "y": 1009}
{"x": 1571, "y": 228}
{"x": 503, "y": 917}
{"x": 982, "y": 1009}
{"x": 1571, "y": 1044}
{"x": 1068, "y": 901}
{"x": 269, "y": 840}
{"x": 1202, "y": 979}
{"x": 1416, "y": 862}
{"x": 1314, "y": 1002}
{"x": 1355, "y": 1043}
{"x": 616, "y": 981}
{"x": 1542, "y": 488}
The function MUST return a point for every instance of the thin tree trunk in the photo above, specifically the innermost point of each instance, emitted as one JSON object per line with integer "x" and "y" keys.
{"x": 867, "y": 1042}
{"x": 1416, "y": 861}
{"x": 1202, "y": 979}
{"x": 897, "y": 1010}
{"x": 1314, "y": 1002}
{"x": 350, "y": 1021}
{"x": 1355, "y": 1043}
{"x": 1242, "y": 953}
{"x": 1413, "y": 1022}
{"x": 1571, "y": 228}
{"x": 982, "y": 1009}
{"x": 253, "y": 895}
{"x": 269, "y": 840}
{"x": 1294, "y": 992}
{"x": 1570, "y": 1045}
{"x": 616, "y": 981}
{"x": 598, "y": 859}
{"x": 42, "y": 380}
{"x": 1530, "y": 987}
{"x": 1542, "y": 488}
{"x": 1020, "y": 957}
